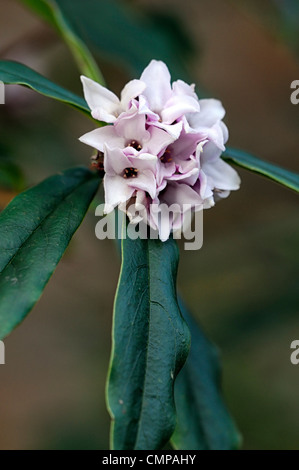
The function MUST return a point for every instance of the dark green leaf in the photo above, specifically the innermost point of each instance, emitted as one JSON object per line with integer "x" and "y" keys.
{"x": 49, "y": 10}
{"x": 42, "y": 8}
{"x": 203, "y": 422}
{"x": 276, "y": 173}
{"x": 35, "y": 229}
{"x": 150, "y": 345}
{"x": 16, "y": 73}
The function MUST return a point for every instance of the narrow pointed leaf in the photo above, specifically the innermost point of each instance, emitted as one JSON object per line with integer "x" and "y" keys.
{"x": 50, "y": 11}
{"x": 150, "y": 345}
{"x": 42, "y": 8}
{"x": 35, "y": 229}
{"x": 19, "y": 74}
{"x": 203, "y": 421}
{"x": 287, "y": 178}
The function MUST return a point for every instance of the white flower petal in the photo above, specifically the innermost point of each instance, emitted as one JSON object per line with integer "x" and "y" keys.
{"x": 99, "y": 137}
{"x": 221, "y": 175}
{"x": 143, "y": 108}
{"x": 215, "y": 134}
{"x": 182, "y": 88}
{"x": 132, "y": 127}
{"x": 115, "y": 161}
{"x": 208, "y": 203}
{"x": 185, "y": 146}
{"x": 159, "y": 140}
{"x": 174, "y": 130}
{"x": 177, "y": 106}
{"x": 132, "y": 89}
{"x": 116, "y": 190}
{"x": 209, "y": 153}
{"x": 201, "y": 186}
{"x": 180, "y": 193}
{"x": 101, "y": 115}
{"x": 144, "y": 181}
{"x": 103, "y": 103}
{"x": 218, "y": 195}
{"x": 225, "y": 132}
{"x": 144, "y": 161}
{"x": 188, "y": 177}
{"x": 211, "y": 111}
{"x": 164, "y": 172}
{"x": 158, "y": 89}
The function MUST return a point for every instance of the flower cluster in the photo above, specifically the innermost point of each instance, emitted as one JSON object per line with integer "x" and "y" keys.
{"x": 163, "y": 146}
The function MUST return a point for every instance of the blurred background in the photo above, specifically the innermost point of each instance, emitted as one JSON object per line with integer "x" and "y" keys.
{"x": 242, "y": 285}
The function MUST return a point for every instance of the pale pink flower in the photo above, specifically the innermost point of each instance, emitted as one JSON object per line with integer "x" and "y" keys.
{"x": 105, "y": 105}
{"x": 130, "y": 132}
{"x": 126, "y": 175}
{"x": 163, "y": 147}
{"x": 168, "y": 102}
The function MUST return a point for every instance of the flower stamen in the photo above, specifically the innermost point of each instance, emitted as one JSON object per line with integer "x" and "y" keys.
{"x": 166, "y": 157}
{"x": 136, "y": 145}
{"x": 130, "y": 172}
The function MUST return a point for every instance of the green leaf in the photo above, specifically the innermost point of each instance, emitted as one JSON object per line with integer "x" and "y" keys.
{"x": 16, "y": 73}
{"x": 203, "y": 422}
{"x": 50, "y": 11}
{"x": 121, "y": 32}
{"x": 150, "y": 345}
{"x": 35, "y": 229}
{"x": 42, "y": 8}
{"x": 276, "y": 173}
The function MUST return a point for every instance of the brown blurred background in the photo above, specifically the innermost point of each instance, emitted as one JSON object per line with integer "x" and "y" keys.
{"x": 242, "y": 285}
